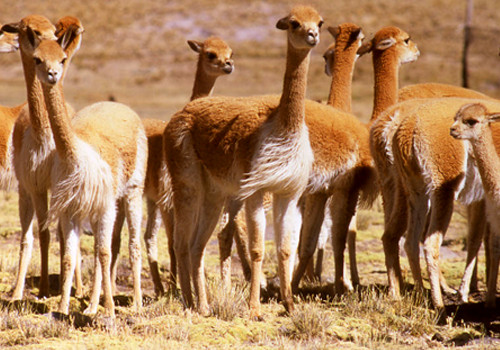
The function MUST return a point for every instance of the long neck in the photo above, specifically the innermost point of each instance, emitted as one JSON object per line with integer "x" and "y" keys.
{"x": 64, "y": 136}
{"x": 203, "y": 83}
{"x": 488, "y": 163}
{"x": 341, "y": 87}
{"x": 37, "y": 112}
{"x": 386, "y": 83}
{"x": 291, "y": 108}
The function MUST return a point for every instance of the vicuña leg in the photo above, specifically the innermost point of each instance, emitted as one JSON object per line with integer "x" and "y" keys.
{"x": 225, "y": 237}
{"x": 440, "y": 215}
{"x": 342, "y": 210}
{"x": 210, "y": 212}
{"x": 133, "y": 208}
{"x": 150, "y": 238}
{"x": 314, "y": 211}
{"x": 116, "y": 243}
{"x": 41, "y": 209}
{"x": 256, "y": 226}
{"x": 476, "y": 228}
{"x": 27, "y": 216}
{"x": 287, "y": 222}
{"x": 71, "y": 242}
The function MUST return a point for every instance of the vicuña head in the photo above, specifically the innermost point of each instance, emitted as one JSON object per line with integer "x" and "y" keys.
{"x": 471, "y": 121}
{"x": 387, "y": 38}
{"x": 348, "y": 36}
{"x": 303, "y": 24}
{"x": 216, "y": 57}
{"x": 40, "y": 29}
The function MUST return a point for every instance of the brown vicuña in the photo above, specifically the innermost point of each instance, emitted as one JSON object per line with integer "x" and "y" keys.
{"x": 333, "y": 176}
{"x": 214, "y": 60}
{"x": 33, "y": 149}
{"x": 99, "y": 164}
{"x": 218, "y": 147}
{"x": 473, "y": 123}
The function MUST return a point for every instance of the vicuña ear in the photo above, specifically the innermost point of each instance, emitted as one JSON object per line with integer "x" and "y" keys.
{"x": 494, "y": 117}
{"x": 355, "y": 35}
{"x": 334, "y": 31}
{"x": 32, "y": 37}
{"x": 385, "y": 44}
{"x": 11, "y": 28}
{"x": 365, "y": 48}
{"x": 196, "y": 46}
{"x": 283, "y": 23}
{"x": 67, "y": 38}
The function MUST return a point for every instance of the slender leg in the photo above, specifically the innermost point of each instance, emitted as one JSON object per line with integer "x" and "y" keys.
{"x": 351, "y": 245}
{"x": 168, "y": 221}
{"x": 419, "y": 209}
{"x": 186, "y": 208}
{"x": 71, "y": 243}
{"x": 133, "y": 209}
{"x": 493, "y": 269}
{"x": 241, "y": 240}
{"x": 287, "y": 221}
{"x": 225, "y": 237}
{"x": 342, "y": 210}
{"x": 151, "y": 239}
{"x": 97, "y": 277}
{"x": 395, "y": 224}
{"x": 116, "y": 243}
{"x": 209, "y": 215}
{"x": 476, "y": 227}
{"x": 440, "y": 215}
{"x": 27, "y": 216}
{"x": 311, "y": 226}
{"x": 41, "y": 208}
{"x": 256, "y": 225}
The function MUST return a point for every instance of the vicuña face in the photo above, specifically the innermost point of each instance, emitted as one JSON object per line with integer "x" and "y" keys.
{"x": 8, "y": 42}
{"x": 217, "y": 57}
{"x": 49, "y": 59}
{"x": 303, "y": 25}
{"x": 407, "y": 49}
{"x": 468, "y": 122}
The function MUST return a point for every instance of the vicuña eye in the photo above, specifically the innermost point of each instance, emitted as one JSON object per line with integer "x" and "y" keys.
{"x": 471, "y": 122}
{"x": 211, "y": 55}
{"x": 320, "y": 24}
{"x": 37, "y": 60}
{"x": 294, "y": 24}
{"x": 63, "y": 60}
{"x": 407, "y": 40}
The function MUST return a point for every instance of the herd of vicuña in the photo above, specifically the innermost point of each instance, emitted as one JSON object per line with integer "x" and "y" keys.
{"x": 312, "y": 164}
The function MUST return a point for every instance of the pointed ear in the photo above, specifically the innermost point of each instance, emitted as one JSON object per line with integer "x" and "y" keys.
{"x": 11, "y": 28}
{"x": 283, "y": 23}
{"x": 68, "y": 36}
{"x": 365, "y": 48}
{"x": 386, "y": 43}
{"x": 32, "y": 37}
{"x": 494, "y": 117}
{"x": 196, "y": 46}
{"x": 334, "y": 31}
{"x": 355, "y": 35}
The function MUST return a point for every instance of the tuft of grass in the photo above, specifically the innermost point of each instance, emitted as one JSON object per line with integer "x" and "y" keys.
{"x": 310, "y": 320}
{"x": 227, "y": 305}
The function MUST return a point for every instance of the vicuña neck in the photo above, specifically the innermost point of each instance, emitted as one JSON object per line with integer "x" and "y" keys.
{"x": 386, "y": 83}
{"x": 37, "y": 113}
{"x": 488, "y": 163}
{"x": 341, "y": 87}
{"x": 203, "y": 83}
{"x": 64, "y": 136}
{"x": 291, "y": 108}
